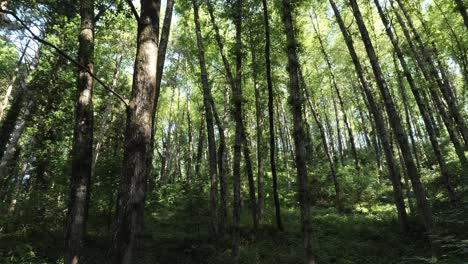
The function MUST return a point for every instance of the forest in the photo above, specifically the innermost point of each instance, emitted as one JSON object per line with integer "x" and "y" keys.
{"x": 238, "y": 131}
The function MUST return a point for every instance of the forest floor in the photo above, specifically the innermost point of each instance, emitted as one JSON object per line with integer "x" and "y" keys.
{"x": 179, "y": 235}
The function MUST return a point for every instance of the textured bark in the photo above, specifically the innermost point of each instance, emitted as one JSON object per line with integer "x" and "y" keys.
{"x": 189, "y": 168}
{"x": 137, "y": 137}
{"x": 379, "y": 123}
{"x": 419, "y": 101}
{"x": 395, "y": 123}
{"x": 212, "y": 158}
{"x": 271, "y": 117}
{"x": 9, "y": 89}
{"x": 433, "y": 92}
{"x": 295, "y": 101}
{"x": 82, "y": 149}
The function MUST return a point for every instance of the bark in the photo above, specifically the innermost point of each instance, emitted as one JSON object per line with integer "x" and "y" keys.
{"x": 421, "y": 105}
{"x": 379, "y": 123}
{"x": 82, "y": 149}
{"x": 395, "y": 123}
{"x": 137, "y": 137}
{"x": 258, "y": 119}
{"x": 9, "y": 89}
{"x": 295, "y": 101}
{"x": 209, "y": 125}
{"x": 190, "y": 140}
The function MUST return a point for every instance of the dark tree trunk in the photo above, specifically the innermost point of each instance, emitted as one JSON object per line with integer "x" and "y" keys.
{"x": 209, "y": 125}
{"x": 379, "y": 123}
{"x": 299, "y": 135}
{"x": 82, "y": 149}
{"x": 395, "y": 123}
{"x": 239, "y": 129}
{"x": 461, "y": 7}
{"x": 137, "y": 146}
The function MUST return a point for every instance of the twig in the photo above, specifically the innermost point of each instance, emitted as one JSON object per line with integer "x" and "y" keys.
{"x": 63, "y": 54}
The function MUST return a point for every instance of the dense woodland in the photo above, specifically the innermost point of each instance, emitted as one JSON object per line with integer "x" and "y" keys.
{"x": 239, "y": 131}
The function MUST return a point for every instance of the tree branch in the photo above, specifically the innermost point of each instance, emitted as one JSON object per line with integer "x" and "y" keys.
{"x": 63, "y": 54}
{"x": 134, "y": 11}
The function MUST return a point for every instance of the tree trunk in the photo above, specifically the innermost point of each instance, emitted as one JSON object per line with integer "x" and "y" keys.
{"x": 379, "y": 124}
{"x": 461, "y": 7}
{"x": 201, "y": 137}
{"x": 271, "y": 115}
{"x": 210, "y": 127}
{"x": 299, "y": 136}
{"x": 137, "y": 137}
{"x": 258, "y": 119}
{"x": 395, "y": 123}
{"x": 82, "y": 149}
{"x": 9, "y": 89}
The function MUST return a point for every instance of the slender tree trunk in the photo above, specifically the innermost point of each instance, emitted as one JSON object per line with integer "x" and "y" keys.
{"x": 190, "y": 140}
{"x": 258, "y": 119}
{"x": 9, "y": 89}
{"x": 395, "y": 123}
{"x": 137, "y": 146}
{"x": 299, "y": 136}
{"x": 201, "y": 139}
{"x": 82, "y": 149}
{"x": 209, "y": 125}
{"x": 107, "y": 114}
{"x": 379, "y": 123}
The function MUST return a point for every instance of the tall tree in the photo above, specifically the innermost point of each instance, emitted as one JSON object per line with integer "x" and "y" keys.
{"x": 271, "y": 116}
{"x": 212, "y": 158}
{"x": 82, "y": 149}
{"x": 298, "y": 131}
{"x": 137, "y": 136}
